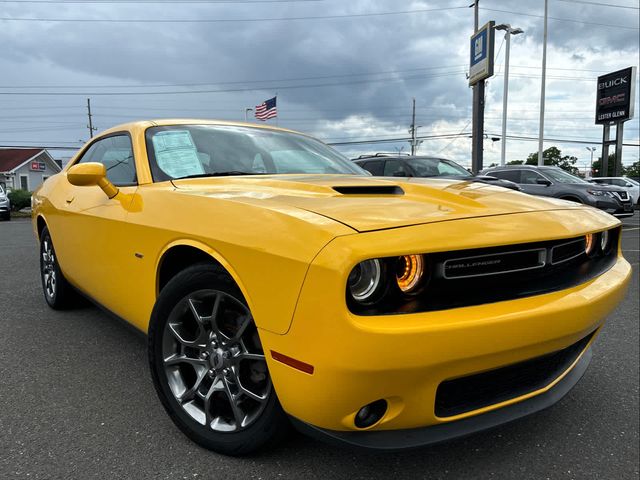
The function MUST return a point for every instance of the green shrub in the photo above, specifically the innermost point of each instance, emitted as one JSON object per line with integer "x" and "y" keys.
{"x": 20, "y": 199}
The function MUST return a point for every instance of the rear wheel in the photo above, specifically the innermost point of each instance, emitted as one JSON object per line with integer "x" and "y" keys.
{"x": 208, "y": 365}
{"x": 58, "y": 293}
{"x": 7, "y": 216}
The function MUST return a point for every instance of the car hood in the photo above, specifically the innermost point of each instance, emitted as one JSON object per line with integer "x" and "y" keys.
{"x": 372, "y": 203}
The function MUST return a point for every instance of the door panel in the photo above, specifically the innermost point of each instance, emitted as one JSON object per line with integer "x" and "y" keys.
{"x": 94, "y": 228}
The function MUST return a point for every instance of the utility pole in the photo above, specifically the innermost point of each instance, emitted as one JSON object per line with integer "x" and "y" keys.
{"x": 591, "y": 149}
{"x": 477, "y": 129}
{"x": 90, "y": 126}
{"x": 413, "y": 129}
{"x": 544, "y": 79}
{"x": 508, "y": 31}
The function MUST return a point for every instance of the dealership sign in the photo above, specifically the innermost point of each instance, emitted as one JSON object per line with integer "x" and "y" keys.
{"x": 38, "y": 166}
{"x": 481, "y": 59}
{"x": 615, "y": 96}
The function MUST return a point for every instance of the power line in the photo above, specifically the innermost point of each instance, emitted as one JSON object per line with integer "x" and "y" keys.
{"x": 226, "y": 20}
{"x": 345, "y": 75}
{"x": 228, "y": 90}
{"x": 599, "y": 4}
{"x": 125, "y": 2}
{"x": 570, "y": 20}
{"x": 238, "y": 82}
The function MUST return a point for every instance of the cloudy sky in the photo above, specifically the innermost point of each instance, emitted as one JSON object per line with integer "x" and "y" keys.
{"x": 343, "y": 71}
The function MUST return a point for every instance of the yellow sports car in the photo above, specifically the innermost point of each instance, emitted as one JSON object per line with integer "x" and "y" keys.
{"x": 279, "y": 283}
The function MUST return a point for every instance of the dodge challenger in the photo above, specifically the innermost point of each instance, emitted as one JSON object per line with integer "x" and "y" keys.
{"x": 279, "y": 284}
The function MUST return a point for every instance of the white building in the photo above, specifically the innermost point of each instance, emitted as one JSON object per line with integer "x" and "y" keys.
{"x": 25, "y": 168}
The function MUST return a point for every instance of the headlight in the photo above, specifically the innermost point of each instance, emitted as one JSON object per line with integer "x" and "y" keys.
{"x": 590, "y": 244}
{"x": 409, "y": 273}
{"x": 365, "y": 281}
{"x": 605, "y": 242}
{"x": 599, "y": 193}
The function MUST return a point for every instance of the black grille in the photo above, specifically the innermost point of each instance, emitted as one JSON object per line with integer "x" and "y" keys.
{"x": 494, "y": 264}
{"x": 466, "y": 394}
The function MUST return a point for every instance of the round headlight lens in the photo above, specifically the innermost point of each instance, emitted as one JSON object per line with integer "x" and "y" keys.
{"x": 409, "y": 273}
{"x": 364, "y": 280}
{"x": 605, "y": 241}
{"x": 590, "y": 244}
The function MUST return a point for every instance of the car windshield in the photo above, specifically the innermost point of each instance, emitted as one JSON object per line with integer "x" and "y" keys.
{"x": 181, "y": 151}
{"x": 561, "y": 176}
{"x": 437, "y": 167}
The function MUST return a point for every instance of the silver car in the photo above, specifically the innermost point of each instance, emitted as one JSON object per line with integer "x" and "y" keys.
{"x": 5, "y": 205}
{"x": 555, "y": 182}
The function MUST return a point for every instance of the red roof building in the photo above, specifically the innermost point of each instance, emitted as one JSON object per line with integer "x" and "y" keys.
{"x": 25, "y": 168}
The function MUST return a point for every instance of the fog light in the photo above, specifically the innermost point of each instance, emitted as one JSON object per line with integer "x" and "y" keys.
{"x": 370, "y": 414}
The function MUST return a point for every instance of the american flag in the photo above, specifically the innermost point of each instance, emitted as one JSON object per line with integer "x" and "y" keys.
{"x": 267, "y": 109}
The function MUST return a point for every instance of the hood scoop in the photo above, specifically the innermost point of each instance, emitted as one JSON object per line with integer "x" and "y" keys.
{"x": 369, "y": 190}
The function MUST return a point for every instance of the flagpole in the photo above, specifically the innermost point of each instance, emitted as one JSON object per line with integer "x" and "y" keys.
{"x": 276, "y": 97}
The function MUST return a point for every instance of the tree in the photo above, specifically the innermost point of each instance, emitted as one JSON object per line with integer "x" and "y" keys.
{"x": 553, "y": 157}
{"x": 19, "y": 199}
{"x": 515, "y": 162}
{"x": 632, "y": 170}
{"x": 597, "y": 167}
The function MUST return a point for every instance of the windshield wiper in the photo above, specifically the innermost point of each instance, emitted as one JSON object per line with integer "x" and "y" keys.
{"x": 219, "y": 174}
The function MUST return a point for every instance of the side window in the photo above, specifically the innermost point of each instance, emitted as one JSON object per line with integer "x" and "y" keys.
{"x": 513, "y": 175}
{"x": 375, "y": 167}
{"x": 393, "y": 168}
{"x": 116, "y": 154}
{"x": 530, "y": 177}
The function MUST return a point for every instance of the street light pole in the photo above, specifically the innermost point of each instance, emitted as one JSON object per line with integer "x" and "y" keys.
{"x": 591, "y": 149}
{"x": 246, "y": 111}
{"x": 544, "y": 80}
{"x": 508, "y": 31}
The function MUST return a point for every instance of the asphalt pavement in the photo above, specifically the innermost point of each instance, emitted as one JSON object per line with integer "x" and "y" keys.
{"x": 76, "y": 402}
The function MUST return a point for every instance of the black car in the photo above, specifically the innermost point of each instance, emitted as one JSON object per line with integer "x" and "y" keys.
{"x": 383, "y": 165}
{"x": 555, "y": 182}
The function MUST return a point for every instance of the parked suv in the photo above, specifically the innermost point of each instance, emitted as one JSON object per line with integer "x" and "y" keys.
{"x": 5, "y": 205}
{"x": 628, "y": 184}
{"x": 555, "y": 182}
{"x": 384, "y": 165}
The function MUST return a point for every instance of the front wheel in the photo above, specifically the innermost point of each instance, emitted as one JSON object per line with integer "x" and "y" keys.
{"x": 58, "y": 293}
{"x": 208, "y": 366}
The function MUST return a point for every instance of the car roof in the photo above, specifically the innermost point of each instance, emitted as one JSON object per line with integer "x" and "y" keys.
{"x": 397, "y": 157}
{"x": 163, "y": 122}
{"x": 534, "y": 167}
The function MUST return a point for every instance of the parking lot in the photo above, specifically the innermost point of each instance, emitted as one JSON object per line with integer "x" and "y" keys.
{"x": 76, "y": 401}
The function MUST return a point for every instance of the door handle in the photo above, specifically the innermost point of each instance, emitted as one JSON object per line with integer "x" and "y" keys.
{"x": 70, "y": 199}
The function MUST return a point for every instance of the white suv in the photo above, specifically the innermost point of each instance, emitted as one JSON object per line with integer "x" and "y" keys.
{"x": 628, "y": 184}
{"x": 5, "y": 205}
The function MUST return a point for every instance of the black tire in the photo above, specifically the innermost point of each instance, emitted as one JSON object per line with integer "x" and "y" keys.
{"x": 62, "y": 295}
{"x": 271, "y": 424}
{"x": 7, "y": 216}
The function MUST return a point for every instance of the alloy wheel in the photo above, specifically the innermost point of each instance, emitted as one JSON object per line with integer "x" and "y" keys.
{"x": 48, "y": 266}
{"x": 213, "y": 361}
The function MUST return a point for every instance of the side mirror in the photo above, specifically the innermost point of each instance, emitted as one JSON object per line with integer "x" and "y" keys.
{"x": 90, "y": 174}
{"x": 543, "y": 181}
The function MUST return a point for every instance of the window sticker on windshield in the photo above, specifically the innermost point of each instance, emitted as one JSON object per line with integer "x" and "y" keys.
{"x": 176, "y": 154}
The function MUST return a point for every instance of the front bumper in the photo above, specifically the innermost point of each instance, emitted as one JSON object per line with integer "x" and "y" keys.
{"x": 393, "y": 440}
{"x": 404, "y": 358}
